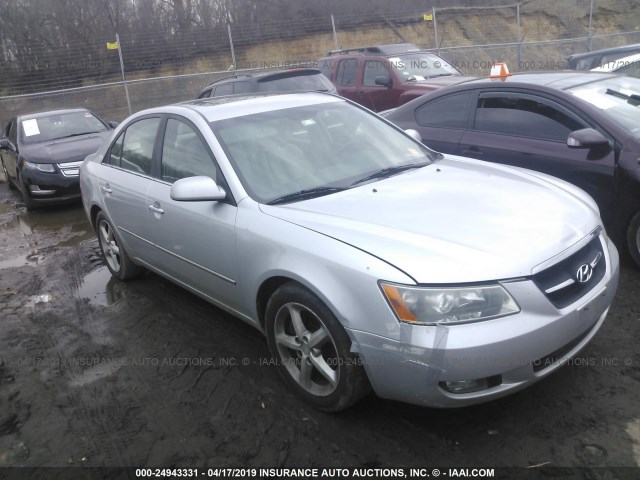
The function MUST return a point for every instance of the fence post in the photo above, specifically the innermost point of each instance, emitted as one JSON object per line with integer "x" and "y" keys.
{"x": 124, "y": 80}
{"x": 233, "y": 53}
{"x": 590, "y": 41}
{"x": 435, "y": 30}
{"x": 519, "y": 39}
{"x": 335, "y": 36}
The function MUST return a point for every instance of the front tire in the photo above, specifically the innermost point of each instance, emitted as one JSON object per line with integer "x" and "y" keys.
{"x": 633, "y": 238}
{"x": 312, "y": 350}
{"x": 6, "y": 175}
{"x": 118, "y": 262}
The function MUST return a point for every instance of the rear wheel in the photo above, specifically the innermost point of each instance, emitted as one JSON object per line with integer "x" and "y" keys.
{"x": 118, "y": 262}
{"x": 312, "y": 350}
{"x": 633, "y": 238}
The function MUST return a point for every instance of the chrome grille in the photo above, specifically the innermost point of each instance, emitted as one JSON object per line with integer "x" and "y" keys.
{"x": 570, "y": 279}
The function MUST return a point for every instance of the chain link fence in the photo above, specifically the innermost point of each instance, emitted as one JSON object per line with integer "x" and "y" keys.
{"x": 533, "y": 35}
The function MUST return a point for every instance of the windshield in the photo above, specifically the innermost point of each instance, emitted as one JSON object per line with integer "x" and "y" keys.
{"x": 334, "y": 145}
{"x": 60, "y": 125}
{"x": 419, "y": 66}
{"x": 296, "y": 82}
{"x": 617, "y": 97}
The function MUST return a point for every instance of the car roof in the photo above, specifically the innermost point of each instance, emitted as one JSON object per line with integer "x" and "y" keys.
{"x": 219, "y": 108}
{"x": 265, "y": 75}
{"x": 28, "y": 116}
{"x": 558, "y": 80}
{"x": 578, "y": 56}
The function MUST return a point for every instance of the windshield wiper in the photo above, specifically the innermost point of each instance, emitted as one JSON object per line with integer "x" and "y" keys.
{"x": 305, "y": 194}
{"x": 388, "y": 171}
{"x": 75, "y": 135}
{"x": 632, "y": 99}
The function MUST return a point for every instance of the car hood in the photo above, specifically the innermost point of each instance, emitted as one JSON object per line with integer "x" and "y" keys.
{"x": 457, "y": 220}
{"x": 72, "y": 149}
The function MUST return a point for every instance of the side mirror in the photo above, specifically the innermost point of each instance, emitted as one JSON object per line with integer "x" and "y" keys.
{"x": 413, "y": 134}
{"x": 196, "y": 189}
{"x": 384, "y": 81}
{"x": 113, "y": 125}
{"x": 4, "y": 143}
{"x": 586, "y": 138}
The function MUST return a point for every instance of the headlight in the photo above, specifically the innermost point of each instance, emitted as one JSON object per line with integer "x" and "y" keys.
{"x": 450, "y": 305}
{"x": 43, "y": 167}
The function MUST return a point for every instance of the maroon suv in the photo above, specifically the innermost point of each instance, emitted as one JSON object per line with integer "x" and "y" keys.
{"x": 386, "y": 76}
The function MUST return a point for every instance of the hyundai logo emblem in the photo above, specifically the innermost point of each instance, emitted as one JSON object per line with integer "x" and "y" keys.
{"x": 584, "y": 273}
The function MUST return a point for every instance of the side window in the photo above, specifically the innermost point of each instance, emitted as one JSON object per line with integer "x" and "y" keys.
{"x": 241, "y": 87}
{"x": 451, "y": 111}
{"x": 184, "y": 154}
{"x": 224, "y": 89}
{"x": 205, "y": 94}
{"x": 115, "y": 153}
{"x": 520, "y": 116}
{"x": 373, "y": 69}
{"x": 347, "y": 71}
{"x": 137, "y": 148}
{"x": 325, "y": 68}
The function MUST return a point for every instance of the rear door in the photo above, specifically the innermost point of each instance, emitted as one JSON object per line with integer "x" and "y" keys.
{"x": 442, "y": 121}
{"x": 530, "y": 131}
{"x": 124, "y": 180}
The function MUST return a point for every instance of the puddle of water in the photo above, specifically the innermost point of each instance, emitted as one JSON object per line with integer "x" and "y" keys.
{"x": 30, "y": 259}
{"x": 101, "y": 288}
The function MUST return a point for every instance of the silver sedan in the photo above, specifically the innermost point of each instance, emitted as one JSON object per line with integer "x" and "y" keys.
{"x": 368, "y": 260}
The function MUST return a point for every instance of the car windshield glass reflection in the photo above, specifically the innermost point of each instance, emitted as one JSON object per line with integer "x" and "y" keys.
{"x": 617, "y": 97}
{"x": 420, "y": 66}
{"x": 281, "y": 152}
{"x": 57, "y": 126}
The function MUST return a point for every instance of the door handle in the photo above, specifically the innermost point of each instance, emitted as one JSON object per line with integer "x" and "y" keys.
{"x": 360, "y": 94}
{"x": 155, "y": 209}
{"x": 106, "y": 189}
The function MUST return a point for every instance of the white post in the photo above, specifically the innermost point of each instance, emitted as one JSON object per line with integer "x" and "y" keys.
{"x": 233, "y": 53}
{"x": 124, "y": 80}
{"x": 435, "y": 29}
{"x": 335, "y": 36}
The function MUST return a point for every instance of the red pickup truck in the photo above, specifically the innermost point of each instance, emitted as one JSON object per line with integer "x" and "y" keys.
{"x": 386, "y": 76}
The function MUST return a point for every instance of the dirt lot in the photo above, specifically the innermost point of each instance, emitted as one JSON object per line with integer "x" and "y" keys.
{"x": 145, "y": 374}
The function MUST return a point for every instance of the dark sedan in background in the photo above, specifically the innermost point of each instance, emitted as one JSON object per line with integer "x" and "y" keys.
{"x": 581, "y": 127}
{"x": 41, "y": 153}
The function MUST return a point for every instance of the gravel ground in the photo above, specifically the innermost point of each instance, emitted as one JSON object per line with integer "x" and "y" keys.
{"x": 145, "y": 374}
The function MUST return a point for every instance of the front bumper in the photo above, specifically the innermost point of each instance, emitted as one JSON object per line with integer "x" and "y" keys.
{"x": 50, "y": 188}
{"x": 510, "y": 352}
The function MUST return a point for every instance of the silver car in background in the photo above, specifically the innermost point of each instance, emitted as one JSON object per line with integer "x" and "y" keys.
{"x": 368, "y": 260}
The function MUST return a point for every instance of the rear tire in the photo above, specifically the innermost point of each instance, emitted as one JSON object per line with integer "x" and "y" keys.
{"x": 118, "y": 262}
{"x": 633, "y": 238}
{"x": 312, "y": 350}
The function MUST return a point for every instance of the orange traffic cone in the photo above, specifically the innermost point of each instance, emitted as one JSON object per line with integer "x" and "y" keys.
{"x": 499, "y": 70}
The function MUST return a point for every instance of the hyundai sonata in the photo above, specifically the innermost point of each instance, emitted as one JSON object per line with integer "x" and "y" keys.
{"x": 368, "y": 260}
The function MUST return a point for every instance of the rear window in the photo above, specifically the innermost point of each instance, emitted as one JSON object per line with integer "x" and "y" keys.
{"x": 295, "y": 82}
